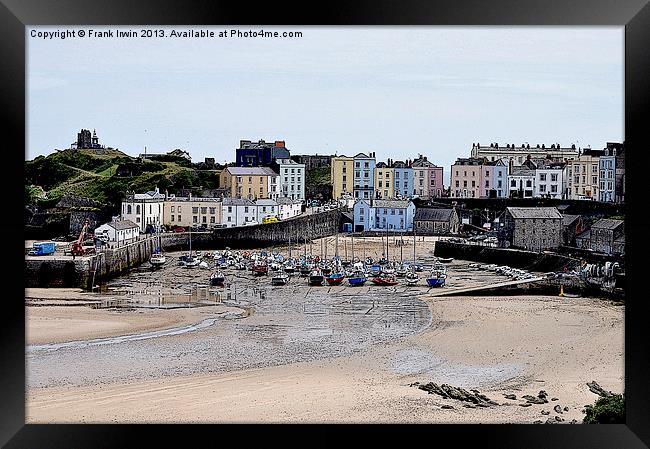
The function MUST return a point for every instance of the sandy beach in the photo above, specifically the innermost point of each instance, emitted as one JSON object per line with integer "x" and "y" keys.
{"x": 498, "y": 345}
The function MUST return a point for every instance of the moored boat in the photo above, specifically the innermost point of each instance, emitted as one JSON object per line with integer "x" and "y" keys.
{"x": 357, "y": 279}
{"x": 316, "y": 278}
{"x": 412, "y": 278}
{"x": 217, "y": 278}
{"x": 335, "y": 279}
{"x": 385, "y": 280}
{"x": 446, "y": 259}
{"x": 280, "y": 279}
{"x": 436, "y": 279}
{"x": 260, "y": 269}
{"x": 157, "y": 260}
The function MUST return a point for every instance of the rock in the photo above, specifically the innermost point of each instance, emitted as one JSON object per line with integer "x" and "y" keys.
{"x": 526, "y": 404}
{"x": 469, "y": 406}
{"x": 557, "y": 409}
{"x": 558, "y": 419}
{"x": 538, "y": 422}
{"x": 534, "y": 400}
{"x": 566, "y": 409}
{"x": 550, "y": 421}
{"x": 554, "y": 399}
{"x": 597, "y": 389}
{"x": 510, "y": 396}
{"x": 447, "y": 406}
{"x": 545, "y": 412}
{"x": 414, "y": 384}
{"x": 573, "y": 421}
{"x": 460, "y": 394}
{"x": 542, "y": 394}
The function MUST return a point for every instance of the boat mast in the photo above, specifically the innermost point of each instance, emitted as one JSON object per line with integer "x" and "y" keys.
{"x": 414, "y": 244}
{"x": 353, "y": 247}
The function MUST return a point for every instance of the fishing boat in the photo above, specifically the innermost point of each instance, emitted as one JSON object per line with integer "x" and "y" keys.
{"x": 412, "y": 278}
{"x": 289, "y": 267}
{"x": 157, "y": 260}
{"x": 189, "y": 260}
{"x": 335, "y": 279}
{"x": 316, "y": 278}
{"x": 260, "y": 268}
{"x": 280, "y": 279}
{"x": 445, "y": 259}
{"x": 385, "y": 280}
{"x": 375, "y": 270}
{"x": 436, "y": 278}
{"x": 217, "y": 279}
{"x": 357, "y": 279}
{"x": 401, "y": 271}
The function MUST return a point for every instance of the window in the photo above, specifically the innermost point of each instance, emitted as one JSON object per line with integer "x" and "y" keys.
{"x": 387, "y": 185}
{"x": 361, "y": 210}
{"x": 212, "y": 220}
{"x": 213, "y": 210}
{"x": 172, "y": 208}
{"x": 128, "y": 209}
{"x": 250, "y": 179}
{"x": 238, "y": 179}
{"x": 137, "y": 209}
{"x": 464, "y": 183}
{"x": 457, "y": 184}
{"x": 204, "y": 210}
{"x": 499, "y": 185}
{"x": 542, "y": 177}
{"x": 396, "y": 174}
{"x": 179, "y": 218}
{"x": 594, "y": 179}
{"x": 245, "y": 209}
{"x": 380, "y": 184}
{"x": 358, "y": 164}
{"x": 229, "y": 219}
{"x": 357, "y": 174}
{"x": 397, "y": 184}
{"x": 594, "y": 168}
{"x": 553, "y": 188}
{"x": 195, "y": 219}
{"x": 366, "y": 174}
{"x": 554, "y": 177}
{"x": 421, "y": 181}
{"x": 392, "y": 211}
{"x": 195, "y": 210}
{"x": 584, "y": 180}
{"x": 513, "y": 183}
{"x": 137, "y": 219}
{"x": 473, "y": 183}
{"x": 487, "y": 173}
{"x": 172, "y": 218}
{"x": 205, "y": 219}
{"x": 229, "y": 209}
{"x": 542, "y": 188}
{"x": 529, "y": 183}
{"x": 465, "y": 173}
{"x": 487, "y": 183}
{"x": 366, "y": 165}
{"x": 293, "y": 170}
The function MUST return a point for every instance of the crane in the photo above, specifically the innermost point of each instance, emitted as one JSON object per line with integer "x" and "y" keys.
{"x": 77, "y": 248}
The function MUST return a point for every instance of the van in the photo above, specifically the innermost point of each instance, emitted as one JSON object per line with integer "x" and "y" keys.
{"x": 269, "y": 219}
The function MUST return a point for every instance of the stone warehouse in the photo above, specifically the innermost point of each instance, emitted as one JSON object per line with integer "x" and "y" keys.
{"x": 534, "y": 228}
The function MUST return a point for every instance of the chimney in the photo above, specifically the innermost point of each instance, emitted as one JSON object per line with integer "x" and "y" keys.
{"x": 279, "y": 143}
{"x": 425, "y": 158}
{"x": 166, "y": 194}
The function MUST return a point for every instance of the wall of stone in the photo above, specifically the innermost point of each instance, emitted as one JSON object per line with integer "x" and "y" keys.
{"x": 111, "y": 262}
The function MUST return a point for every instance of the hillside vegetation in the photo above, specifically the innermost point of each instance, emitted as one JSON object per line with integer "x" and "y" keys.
{"x": 107, "y": 177}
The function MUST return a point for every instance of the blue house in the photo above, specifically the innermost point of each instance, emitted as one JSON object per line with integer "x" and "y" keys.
{"x": 260, "y": 154}
{"x": 403, "y": 180}
{"x": 395, "y": 215}
{"x": 364, "y": 176}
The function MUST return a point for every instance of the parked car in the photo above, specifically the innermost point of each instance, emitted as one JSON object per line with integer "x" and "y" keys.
{"x": 179, "y": 229}
{"x": 269, "y": 219}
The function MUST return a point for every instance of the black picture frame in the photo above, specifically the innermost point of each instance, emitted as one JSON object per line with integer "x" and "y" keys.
{"x": 634, "y": 15}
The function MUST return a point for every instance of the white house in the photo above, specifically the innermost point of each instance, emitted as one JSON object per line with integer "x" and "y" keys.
{"x": 118, "y": 231}
{"x": 521, "y": 182}
{"x": 237, "y": 212}
{"x": 363, "y": 215}
{"x": 144, "y": 209}
{"x": 551, "y": 180}
{"x": 291, "y": 179}
{"x": 289, "y": 208}
{"x": 266, "y": 208}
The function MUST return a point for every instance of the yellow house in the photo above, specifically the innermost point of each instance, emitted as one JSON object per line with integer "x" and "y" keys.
{"x": 188, "y": 211}
{"x": 583, "y": 175}
{"x": 250, "y": 182}
{"x": 384, "y": 181}
{"x": 342, "y": 175}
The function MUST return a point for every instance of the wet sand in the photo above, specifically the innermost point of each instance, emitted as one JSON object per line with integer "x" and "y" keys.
{"x": 280, "y": 364}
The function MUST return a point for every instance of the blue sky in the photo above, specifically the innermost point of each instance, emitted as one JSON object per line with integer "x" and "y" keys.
{"x": 398, "y": 91}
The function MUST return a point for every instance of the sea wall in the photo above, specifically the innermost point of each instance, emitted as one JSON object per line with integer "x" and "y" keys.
{"x": 515, "y": 258}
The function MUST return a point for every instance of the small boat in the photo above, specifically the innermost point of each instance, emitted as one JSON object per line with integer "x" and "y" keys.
{"x": 274, "y": 266}
{"x": 375, "y": 270}
{"x": 418, "y": 266}
{"x": 445, "y": 259}
{"x": 290, "y": 268}
{"x": 385, "y": 280}
{"x": 191, "y": 262}
{"x": 217, "y": 278}
{"x": 316, "y": 278}
{"x": 412, "y": 278}
{"x": 280, "y": 279}
{"x": 335, "y": 279}
{"x": 401, "y": 271}
{"x": 326, "y": 269}
{"x": 357, "y": 279}
{"x": 260, "y": 269}
{"x": 157, "y": 260}
{"x": 305, "y": 270}
{"x": 436, "y": 279}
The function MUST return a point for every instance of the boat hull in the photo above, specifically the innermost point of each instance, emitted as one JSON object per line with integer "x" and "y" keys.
{"x": 334, "y": 280}
{"x": 435, "y": 282}
{"x": 357, "y": 282}
{"x": 384, "y": 282}
{"x": 217, "y": 282}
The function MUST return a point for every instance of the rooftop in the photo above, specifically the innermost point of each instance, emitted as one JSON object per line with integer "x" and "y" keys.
{"x": 607, "y": 223}
{"x": 534, "y": 212}
{"x": 266, "y": 202}
{"x": 568, "y": 219}
{"x": 392, "y": 204}
{"x": 432, "y": 214}
{"x": 237, "y": 202}
{"x": 251, "y": 171}
{"x": 122, "y": 225}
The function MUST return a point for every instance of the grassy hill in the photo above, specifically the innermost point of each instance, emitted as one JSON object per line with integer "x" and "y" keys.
{"x": 106, "y": 176}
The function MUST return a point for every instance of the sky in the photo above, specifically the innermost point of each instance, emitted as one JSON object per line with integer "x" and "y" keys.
{"x": 397, "y": 91}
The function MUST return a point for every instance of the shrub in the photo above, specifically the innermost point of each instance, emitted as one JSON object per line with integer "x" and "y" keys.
{"x": 606, "y": 410}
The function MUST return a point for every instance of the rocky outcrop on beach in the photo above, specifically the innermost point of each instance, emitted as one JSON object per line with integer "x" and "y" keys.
{"x": 450, "y": 392}
{"x": 597, "y": 389}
